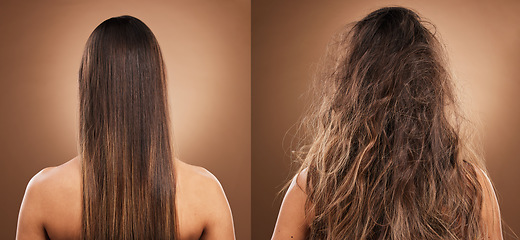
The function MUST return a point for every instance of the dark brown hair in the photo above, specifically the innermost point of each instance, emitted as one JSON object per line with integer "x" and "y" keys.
{"x": 386, "y": 159}
{"x": 125, "y": 145}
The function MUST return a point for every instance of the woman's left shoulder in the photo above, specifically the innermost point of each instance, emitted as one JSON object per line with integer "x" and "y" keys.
{"x": 52, "y": 199}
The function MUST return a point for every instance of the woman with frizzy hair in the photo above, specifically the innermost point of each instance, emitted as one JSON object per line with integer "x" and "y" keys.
{"x": 125, "y": 183}
{"x": 386, "y": 157}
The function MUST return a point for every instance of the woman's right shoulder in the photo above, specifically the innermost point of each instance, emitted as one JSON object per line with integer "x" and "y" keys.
{"x": 200, "y": 193}
{"x": 491, "y": 219}
{"x": 195, "y": 177}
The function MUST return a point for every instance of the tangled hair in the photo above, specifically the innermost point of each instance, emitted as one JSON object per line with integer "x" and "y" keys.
{"x": 386, "y": 159}
{"x": 125, "y": 145}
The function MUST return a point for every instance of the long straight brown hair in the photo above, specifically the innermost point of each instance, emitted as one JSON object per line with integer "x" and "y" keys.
{"x": 386, "y": 157}
{"x": 125, "y": 146}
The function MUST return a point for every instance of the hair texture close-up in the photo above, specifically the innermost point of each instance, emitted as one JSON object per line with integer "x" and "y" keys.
{"x": 386, "y": 158}
{"x": 125, "y": 145}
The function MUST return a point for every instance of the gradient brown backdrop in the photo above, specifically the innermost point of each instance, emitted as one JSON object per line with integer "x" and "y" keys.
{"x": 206, "y": 46}
{"x": 289, "y": 37}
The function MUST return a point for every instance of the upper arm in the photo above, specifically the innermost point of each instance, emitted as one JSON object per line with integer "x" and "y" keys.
{"x": 292, "y": 222}
{"x": 219, "y": 223}
{"x": 30, "y": 218}
{"x": 491, "y": 219}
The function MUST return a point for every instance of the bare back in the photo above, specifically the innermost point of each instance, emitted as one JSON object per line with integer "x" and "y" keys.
{"x": 51, "y": 208}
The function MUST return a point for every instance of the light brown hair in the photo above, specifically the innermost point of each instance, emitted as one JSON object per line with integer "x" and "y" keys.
{"x": 386, "y": 157}
{"x": 125, "y": 146}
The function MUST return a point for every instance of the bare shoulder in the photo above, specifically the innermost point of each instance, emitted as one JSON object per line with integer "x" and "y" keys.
{"x": 301, "y": 180}
{"x": 200, "y": 194}
{"x": 52, "y": 192}
{"x": 293, "y": 219}
{"x": 198, "y": 185}
{"x": 59, "y": 176}
{"x": 489, "y": 196}
{"x": 491, "y": 219}
{"x": 195, "y": 178}
{"x": 192, "y": 171}
{"x": 57, "y": 183}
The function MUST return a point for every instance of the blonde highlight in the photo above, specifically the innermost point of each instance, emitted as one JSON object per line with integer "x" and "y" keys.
{"x": 386, "y": 158}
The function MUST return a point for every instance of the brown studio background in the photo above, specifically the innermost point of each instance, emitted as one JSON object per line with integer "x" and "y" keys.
{"x": 289, "y": 37}
{"x": 207, "y": 53}
{"x": 206, "y": 46}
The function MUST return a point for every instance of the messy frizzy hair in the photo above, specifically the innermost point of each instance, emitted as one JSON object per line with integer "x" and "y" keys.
{"x": 127, "y": 167}
{"x": 386, "y": 159}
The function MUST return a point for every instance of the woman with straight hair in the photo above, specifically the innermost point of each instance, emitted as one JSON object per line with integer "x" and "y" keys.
{"x": 125, "y": 183}
{"x": 386, "y": 157}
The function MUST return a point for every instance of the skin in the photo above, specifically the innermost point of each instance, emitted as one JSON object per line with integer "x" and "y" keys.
{"x": 51, "y": 207}
{"x": 293, "y": 224}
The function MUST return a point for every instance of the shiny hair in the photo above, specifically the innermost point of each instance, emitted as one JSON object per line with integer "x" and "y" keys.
{"x": 386, "y": 157}
{"x": 125, "y": 145}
